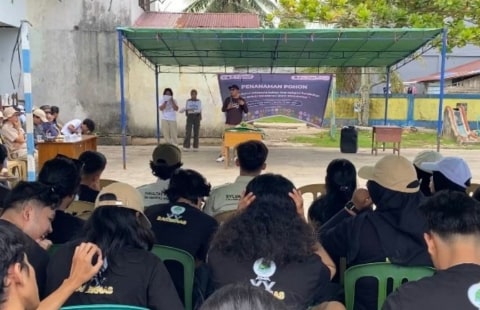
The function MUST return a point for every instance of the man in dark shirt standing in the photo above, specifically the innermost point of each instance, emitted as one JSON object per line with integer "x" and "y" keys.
{"x": 234, "y": 107}
{"x": 453, "y": 238}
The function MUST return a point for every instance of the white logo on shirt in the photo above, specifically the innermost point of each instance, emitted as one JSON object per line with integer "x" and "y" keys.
{"x": 474, "y": 295}
{"x": 265, "y": 269}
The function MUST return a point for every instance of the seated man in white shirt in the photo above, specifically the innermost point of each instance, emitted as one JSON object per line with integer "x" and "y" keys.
{"x": 13, "y": 134}
{"x": 251, "y": 158}
{"x": 77, "y": 126}
{"x": 166, "y": 158}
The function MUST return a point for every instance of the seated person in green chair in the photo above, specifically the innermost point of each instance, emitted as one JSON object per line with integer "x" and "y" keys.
{"x": 392, "y": 232}
{"x": 453, "y": 239}
{"x": 93, "y": 165}
{"x": 18, "y": 288}
{"x": 182, "y": 224}
{"x": 269, "y": 244}
{"x": 130, "y": 273}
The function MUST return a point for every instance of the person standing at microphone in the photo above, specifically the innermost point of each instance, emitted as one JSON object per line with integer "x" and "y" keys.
{"x": 234, "y": 107}
{"x": 169, "y": 108}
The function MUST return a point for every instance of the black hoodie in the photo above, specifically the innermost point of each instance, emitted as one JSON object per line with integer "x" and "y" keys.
{"x": 393, "y": 232}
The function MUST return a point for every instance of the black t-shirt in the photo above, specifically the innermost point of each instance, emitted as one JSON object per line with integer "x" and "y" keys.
{"x": 38, "y": 258}
{"x": 65, "y": 227}
{"x": 182, "y": 226}
{"x": 4, "y": 191}
{"x": 446, "y": 290}
{"x": 234, "y": 116}
{"x": 299, "y": 285}
{"x": 135, "y": 277}
{"x": 85, "y": 193}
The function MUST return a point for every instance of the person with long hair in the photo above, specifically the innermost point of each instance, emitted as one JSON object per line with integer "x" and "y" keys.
{"x": 130, "y": 274}
{"x": 169, "y": 107}
{"x": 340, "y": 183}
{"x": 269, "y": 244}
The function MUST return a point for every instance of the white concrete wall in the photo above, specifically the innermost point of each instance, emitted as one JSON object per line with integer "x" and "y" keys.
{"x": 8, "y": 37}
{"x": 12, "y": 12}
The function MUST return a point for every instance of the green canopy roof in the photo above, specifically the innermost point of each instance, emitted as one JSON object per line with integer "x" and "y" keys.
{"x": 249, "y": 48}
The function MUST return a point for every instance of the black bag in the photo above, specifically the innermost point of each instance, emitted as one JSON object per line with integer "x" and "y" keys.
{"x": 349, "y": 140}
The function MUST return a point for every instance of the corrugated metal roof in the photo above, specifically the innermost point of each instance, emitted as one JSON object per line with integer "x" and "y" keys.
{"x": 468, "y": 69}
{"x": 197, "y": 20}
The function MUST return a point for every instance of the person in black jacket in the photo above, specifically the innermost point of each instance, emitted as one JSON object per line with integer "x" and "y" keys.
{"x": 393, "y": 232}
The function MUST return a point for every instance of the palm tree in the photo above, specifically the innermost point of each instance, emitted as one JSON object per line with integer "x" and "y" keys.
{"x": 261, "y": 7}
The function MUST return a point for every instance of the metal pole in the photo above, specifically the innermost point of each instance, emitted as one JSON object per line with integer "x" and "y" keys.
{"x": 123, "y": 113}
{"x": 27, "y": 92}
{"x": 386, "y": 97}
{"x": 157, "y": 103}
{"x": 442, "y": 86}
{"x": 333, "y": 96}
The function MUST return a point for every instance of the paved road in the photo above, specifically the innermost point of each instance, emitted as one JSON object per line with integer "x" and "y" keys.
{"x": 303, "y": 165}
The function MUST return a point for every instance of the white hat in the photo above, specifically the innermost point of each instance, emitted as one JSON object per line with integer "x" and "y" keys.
{"x": 124, "y": 196}
{"x": 453, "y": 168}
{"x": 392, "y": 172}
{"x": 9, "y": 112}
{"x": 426, "y": 157}
{"x": 40, "y": 114}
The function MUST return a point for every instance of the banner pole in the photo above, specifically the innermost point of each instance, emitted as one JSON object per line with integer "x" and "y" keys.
{"x": 333, "y": 96}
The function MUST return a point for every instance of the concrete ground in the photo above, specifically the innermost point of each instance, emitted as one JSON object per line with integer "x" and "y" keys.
{"x": 301, "y": 164}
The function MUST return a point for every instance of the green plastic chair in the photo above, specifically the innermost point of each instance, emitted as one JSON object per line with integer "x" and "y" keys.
{"x": 166, "y": 253}
{"x": 103, "y": 307}
{"x": 382, "y": 272}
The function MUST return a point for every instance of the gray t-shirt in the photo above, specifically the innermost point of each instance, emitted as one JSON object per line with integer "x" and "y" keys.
{"x": 153, "y": 193}
{"x": 225, "y": 197}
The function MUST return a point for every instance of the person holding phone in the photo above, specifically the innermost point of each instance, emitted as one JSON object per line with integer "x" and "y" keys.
{"x": 169, "y": 107}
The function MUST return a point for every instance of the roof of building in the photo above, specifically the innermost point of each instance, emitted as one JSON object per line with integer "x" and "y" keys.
{"x": 468, "y": 69}
{"x": 197, "y": 20}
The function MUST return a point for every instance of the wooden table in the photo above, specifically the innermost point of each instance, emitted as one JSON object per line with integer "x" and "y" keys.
{"x": 386, "y": 134}
{"x": 232, "y": 138}
{"x": 48, "y": 150}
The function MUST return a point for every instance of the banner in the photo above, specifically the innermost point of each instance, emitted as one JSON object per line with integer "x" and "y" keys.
{"x": 300, "y": 96}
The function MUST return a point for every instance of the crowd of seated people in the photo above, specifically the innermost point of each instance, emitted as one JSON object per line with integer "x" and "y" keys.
{"x": 265, "y": 255}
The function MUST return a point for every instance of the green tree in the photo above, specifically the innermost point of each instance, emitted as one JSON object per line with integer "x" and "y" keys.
{"x": 462, "y": 17}
{"x": 261, "y": 7}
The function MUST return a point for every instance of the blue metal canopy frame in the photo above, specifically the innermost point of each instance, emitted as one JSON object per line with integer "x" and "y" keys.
{"x": 368, "y": 46}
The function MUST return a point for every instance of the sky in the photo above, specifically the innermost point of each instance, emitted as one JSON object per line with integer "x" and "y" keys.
{"x": 172, "y": 5}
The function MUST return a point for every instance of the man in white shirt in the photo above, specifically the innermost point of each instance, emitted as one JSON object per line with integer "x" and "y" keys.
{"x": 251, "y": 158}
{"x": 13, "y": 134}
{"x": 77, "y": 126}
{"x": 166, "y": 158}
{"x": 193, "y": 111}
{"x": 169, "y": 107}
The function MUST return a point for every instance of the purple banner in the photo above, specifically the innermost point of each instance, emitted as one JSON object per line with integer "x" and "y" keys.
{"x": 300, "y": 96}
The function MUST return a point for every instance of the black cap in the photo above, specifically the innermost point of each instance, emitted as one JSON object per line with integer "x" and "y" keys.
{"x": 234, "y": 86}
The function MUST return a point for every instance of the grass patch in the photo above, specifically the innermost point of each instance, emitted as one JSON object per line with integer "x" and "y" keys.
{"x": 278, "y": 119}
{"x": 409, "y": 140}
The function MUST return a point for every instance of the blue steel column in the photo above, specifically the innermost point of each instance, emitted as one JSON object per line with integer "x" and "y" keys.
{"x": 386, "y": 97}
{"x": 27, "y": 92}
{"x": 442, "y": 86}
{"x": 157, "y": 103}
{"x": 123, "y": 119}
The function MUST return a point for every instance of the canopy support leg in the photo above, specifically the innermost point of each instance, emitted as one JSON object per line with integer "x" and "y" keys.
{"x": 442, "y": 86}
{"x": 123, "y": 113}
{"x": 387, "y": 92}
{"x": 157, "y": 103}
